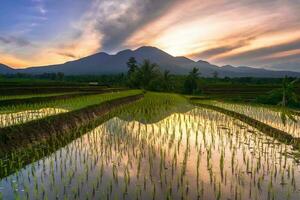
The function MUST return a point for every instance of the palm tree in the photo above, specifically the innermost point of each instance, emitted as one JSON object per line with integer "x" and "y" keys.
{"x": 288, "y": 93}
{"x": 194, "y": 73}
{"x": 191, "y": 82}
{"x": 148, "y": 71}
{"x": 132, "y": 65}
{"x": 166, "y": 80}
{"x": 132, "y": 74}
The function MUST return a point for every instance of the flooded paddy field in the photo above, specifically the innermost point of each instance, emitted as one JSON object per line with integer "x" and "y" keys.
{"x": 267, "y": 115}
{"x": 22, "y": 113}
{"x": 8, "y": 119}
{"x": 162, "y": 148}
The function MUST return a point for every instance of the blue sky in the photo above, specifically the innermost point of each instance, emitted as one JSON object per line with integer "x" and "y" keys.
{"x": 50, "y": 16}
{"x": 259, "y": 33}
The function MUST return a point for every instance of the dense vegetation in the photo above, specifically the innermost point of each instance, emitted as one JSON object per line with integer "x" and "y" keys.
{"x": 149, "y": 76}
{"x": 153, "y": 144}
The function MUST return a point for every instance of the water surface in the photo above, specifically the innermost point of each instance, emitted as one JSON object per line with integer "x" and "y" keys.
{"x": 200, "y": 154}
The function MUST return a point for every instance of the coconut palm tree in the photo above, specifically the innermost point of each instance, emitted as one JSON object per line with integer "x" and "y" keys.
{"x": 194, "y": 73}
{"x": 190, "y": 84}
{"x": 147, "y": 72}
{"x": 132, "y": 65}
{"x": 288, "y": 93}
{"x": 166, "y": 80}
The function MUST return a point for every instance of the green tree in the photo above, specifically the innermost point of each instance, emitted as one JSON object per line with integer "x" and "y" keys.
{"x": 191, "y": 81}
{"x": 215, "y": 74}
{"x": 132, "y": 66}
{"x": 133, "y": 73}
{"x": 167, "y": 80}
{"x": 147, "y": 72}
{"x": 288, "y": 94}
{"x": 161, "y": 82}
{"x": 60, "y": 76}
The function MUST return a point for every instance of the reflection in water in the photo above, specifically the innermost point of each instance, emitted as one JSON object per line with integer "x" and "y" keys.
{"x": 197, "y": 155}
{"x": 265, "y": 115}
{"x": 9, "y": 119}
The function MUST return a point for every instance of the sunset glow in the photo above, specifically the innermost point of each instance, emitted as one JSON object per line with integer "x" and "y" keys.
{"x": 247, "y": 32}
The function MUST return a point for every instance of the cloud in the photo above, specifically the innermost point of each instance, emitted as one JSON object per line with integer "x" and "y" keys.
{"x": 220, "y": 28}
{"x": 40, "y": 7}
{"x": 264, "y": 54}
{"x": 117, "y": 20}
{"x": 16, "y": 41}
{"x": 215, "y": 51}
{"x": 241, "y": 32}
{"x": 67, "y": 54}
{"x": 11, "y": 60}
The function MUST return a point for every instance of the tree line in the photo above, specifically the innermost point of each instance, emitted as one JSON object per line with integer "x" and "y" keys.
{"x": 149, "y": 76}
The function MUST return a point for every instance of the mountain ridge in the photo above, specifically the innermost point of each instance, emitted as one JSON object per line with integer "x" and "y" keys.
{"x": 104, "y": 63}
{"x": 4, "y": 69}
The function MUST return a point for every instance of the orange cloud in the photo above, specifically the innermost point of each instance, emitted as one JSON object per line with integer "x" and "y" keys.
{"x": 218, "y": 29}
{"x": 221, "y": 31}
{"x": 12, "y": 61}
{"x": 59, "y": 50}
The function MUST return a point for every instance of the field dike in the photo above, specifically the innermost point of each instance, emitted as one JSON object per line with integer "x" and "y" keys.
{"x": 27, "y": 143}
{"x": 52, "y": 98}
{"x": 18, "y": 90}
{"x": 294, "y": 112}
{"x": 14, "y": 137}
{"x": 279, "y": 135}
{"x": 21, "y": 135}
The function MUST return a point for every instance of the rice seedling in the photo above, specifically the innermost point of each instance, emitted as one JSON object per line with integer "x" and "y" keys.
{"x": 27, "y": 96}
{"x": 154, "y": 153}
{"x": 29, "y": 115}
{"x": 267, "y": 115}
{"x": 70, "y": 104}
{"x": 9, "y": 116}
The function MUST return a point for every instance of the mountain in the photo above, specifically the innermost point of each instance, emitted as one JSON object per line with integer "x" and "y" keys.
{"x": 103, "y": 63}
{"x": 5, "y": 69}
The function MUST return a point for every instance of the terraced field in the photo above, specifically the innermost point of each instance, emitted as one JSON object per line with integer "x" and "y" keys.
{"x": 136, "y": 145}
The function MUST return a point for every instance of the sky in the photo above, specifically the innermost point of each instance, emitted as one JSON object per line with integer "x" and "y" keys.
{"x": 257, "y": 33}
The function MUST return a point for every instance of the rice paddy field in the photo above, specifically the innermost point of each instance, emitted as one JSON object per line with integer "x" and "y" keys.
{"x": 12, "y": 115}
{"x": 267, "y": 115}
{"x": 27, "y": 96}
{"x": 157, "y": 147}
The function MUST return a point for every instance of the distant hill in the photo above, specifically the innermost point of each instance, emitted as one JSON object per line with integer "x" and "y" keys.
{"x": 5, "y": 69}
{"x": 103, "y": 63}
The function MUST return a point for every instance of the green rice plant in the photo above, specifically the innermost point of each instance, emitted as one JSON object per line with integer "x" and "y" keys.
{"x": 197, "y": 154}
{"x": 268, "y": 115}
{"x": 27, "y": 96}
{"x": 19, "y": 114}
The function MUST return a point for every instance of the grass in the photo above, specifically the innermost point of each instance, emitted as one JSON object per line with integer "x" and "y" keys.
{"x": 134, "y": 160}
{"x": 27, "y": 96}
{"x": 22, "y": 144}
{"x": 23, "y": 113}
{"x": 270, "y": 115}
{"x": 254, "y": 104}
{"x": 69, "y": 104}
{"x": 156, "y": 106}
{"x": 40, "y": 100}
{"x": 277, "y": 134}
{"x": 200, "y": 154}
